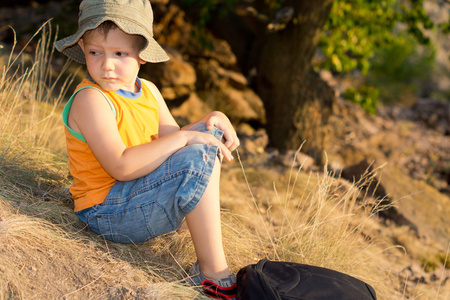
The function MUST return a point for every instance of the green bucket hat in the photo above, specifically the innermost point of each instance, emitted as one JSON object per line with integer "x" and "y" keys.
{"x": 131, "y": 16}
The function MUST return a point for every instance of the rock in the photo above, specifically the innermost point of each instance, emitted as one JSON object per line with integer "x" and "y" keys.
{"x": 245, "y": 129}
{"x": 217, "y": 49}
{"x": 190, "y": 110}
{"x": 239, "y": 106}
{"x": 170, "y": 26}
{"x": 362, "y": 174}
{"x": 227, "y": 90}
{"x": 207, "y": 68}
{"x": 293, "y": 159}
{"x": 175, "y": 78}
{"x": 433, "y": 113}
{"x": 414, "y": 274}
{"x": 252, "y": 142}
{"x": 234, "y": 79}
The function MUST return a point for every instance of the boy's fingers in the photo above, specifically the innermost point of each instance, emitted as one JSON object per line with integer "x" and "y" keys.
{"x": 225, "y": 152}
{"x": 230, "y": 144}
{"x": 231, "y": 141}
{"x": 210, "y": 123}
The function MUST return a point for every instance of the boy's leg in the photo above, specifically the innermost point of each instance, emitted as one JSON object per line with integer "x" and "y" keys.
{"x": 205, "y": 228}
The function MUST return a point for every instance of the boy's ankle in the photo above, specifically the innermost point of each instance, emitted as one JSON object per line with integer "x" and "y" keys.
{"x": 216, "y": 275}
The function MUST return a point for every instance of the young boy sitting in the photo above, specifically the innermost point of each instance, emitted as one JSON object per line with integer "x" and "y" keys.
{"x": 136, "y": 174}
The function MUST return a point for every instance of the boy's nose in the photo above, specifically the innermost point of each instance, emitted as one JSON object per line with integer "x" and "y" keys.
{"x": 107, "y": 64}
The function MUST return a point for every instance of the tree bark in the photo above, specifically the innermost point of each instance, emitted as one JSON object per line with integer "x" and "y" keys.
{"x": 297, "y": 102}
{"x": 278, "y": 62}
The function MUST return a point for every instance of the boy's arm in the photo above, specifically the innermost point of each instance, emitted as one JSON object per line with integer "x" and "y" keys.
{"x": 91, "y": 116}
{"x": 167, "y": 123}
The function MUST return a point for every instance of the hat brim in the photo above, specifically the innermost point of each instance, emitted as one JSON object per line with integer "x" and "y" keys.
{"x": 151, "y": 52}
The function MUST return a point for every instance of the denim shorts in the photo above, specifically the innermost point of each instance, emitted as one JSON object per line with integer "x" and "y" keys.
{"x": 138, "y": 210}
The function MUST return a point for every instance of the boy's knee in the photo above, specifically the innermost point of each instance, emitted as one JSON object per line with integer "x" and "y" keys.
{"x": 201, "y": 127}
{"x": 193, "y": 157}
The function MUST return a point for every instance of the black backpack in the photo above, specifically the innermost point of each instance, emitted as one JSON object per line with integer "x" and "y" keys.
{"x": 276, "y": 280}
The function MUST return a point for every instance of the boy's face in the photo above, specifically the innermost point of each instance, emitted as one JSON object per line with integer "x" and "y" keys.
{"x": 113, "y": 60}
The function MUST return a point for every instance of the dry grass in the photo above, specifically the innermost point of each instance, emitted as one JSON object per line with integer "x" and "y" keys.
{"x": 46, "y": 253}
{"x": 319, "y": 220}
{"x": 28, "y": 97}
{"x": 39, "y": 260}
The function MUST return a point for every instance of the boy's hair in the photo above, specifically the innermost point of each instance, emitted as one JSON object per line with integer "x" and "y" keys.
{"x": 104, "y": 28}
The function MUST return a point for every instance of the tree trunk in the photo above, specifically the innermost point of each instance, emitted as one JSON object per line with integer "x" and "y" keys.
{"x": 297, "y": 102}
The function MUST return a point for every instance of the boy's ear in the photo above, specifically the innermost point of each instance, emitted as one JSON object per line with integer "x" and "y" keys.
{"x": 81, "y": 44}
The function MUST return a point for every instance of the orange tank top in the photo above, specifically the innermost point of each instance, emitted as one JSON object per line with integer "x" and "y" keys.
{"x": 137, "y": 121}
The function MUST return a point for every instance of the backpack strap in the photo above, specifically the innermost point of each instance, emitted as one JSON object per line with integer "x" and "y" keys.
{"x": 265, "y": 284}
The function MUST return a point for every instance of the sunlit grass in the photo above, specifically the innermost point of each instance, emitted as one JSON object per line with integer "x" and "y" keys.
{"x": 29, "y": 101}
{"x": 320, "y": 223}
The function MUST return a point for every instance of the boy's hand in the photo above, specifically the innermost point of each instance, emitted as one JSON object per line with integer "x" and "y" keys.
{"x": 195, "y": 137}
{"x": 221, "y": 121}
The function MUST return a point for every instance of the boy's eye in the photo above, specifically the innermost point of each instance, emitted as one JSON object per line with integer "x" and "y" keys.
{"x": 120, "y": 54}
{"x": 92, "y": 52}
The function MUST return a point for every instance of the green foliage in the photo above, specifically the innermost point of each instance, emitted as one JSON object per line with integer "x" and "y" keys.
{"x": 358, "y": 28}
{"x": 430, "y": 262}
{"x": 364, "y": 35}
{"x": 365, "y": 96}
{"x": 401, "y": 70}
{"x": 444, "y": 259}
{"x": 355, "y": 29}
{"x": 415, "y": 17}
{"x": 445, "y": 27}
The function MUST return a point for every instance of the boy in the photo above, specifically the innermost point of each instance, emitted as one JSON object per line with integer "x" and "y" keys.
{"x": 136, "y": 173}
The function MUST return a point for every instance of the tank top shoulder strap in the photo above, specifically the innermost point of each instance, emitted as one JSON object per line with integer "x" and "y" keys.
{"x": 69, "y": 105}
